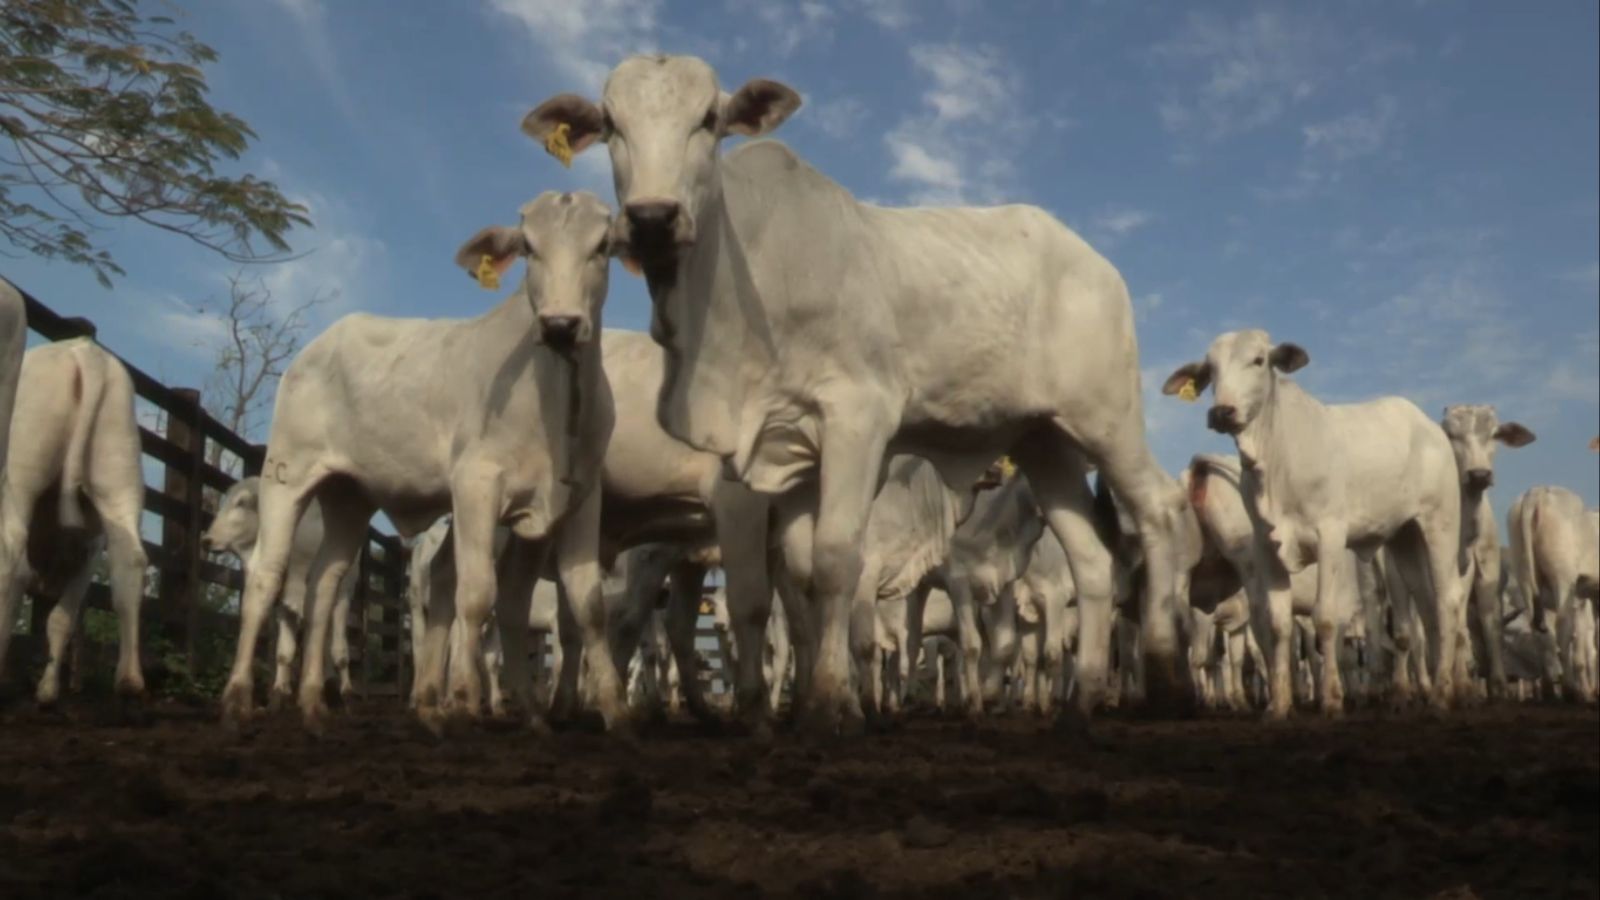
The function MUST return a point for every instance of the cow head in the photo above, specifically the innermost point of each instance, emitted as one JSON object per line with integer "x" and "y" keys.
{"x": 1473, "y": 430}
{"x": 234, "y": 528}
{"x": 1240, "y": 367}
{"x": 566, "y": 240}
{"x": 663, "y": 118}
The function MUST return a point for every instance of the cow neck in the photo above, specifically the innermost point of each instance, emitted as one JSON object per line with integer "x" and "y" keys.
{"x": 699, "y": 318}
{"x": 1476, "y": 515}
{"x": 1288, "y": 418}
{"x": 512, "y": 328}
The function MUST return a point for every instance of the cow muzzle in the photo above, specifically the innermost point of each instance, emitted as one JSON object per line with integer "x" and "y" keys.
{"x": 1223, "y": 419}
{"x": 1478, "y": 479}
{"x": 657, "y": 227}
{"x": 564, "y": 332}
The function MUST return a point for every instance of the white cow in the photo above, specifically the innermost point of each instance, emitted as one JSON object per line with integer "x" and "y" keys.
{"x": 1473, "y": 431}
{"x": 506, "y": 420}
{"x": 234, "y": 530}
{"x": 810, "y": 335}
{"x": 908, "y": 534}
{"x": 1047, "y": 623}
{"x": 1323, "y": 478}
{"x": 937, "y": 626}
{"x": 73, "y": 431}
{"x": 1555, "y": 555}
{"x": 989, "y": 551}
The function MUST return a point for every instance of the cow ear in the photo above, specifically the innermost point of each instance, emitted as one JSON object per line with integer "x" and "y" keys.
{"x": 496, "y": 247}
{"x": 758, "y": 107}
{"x": 1195, "y": 376}
{"x": 584, "y": 123}
{"x": 1513, "y": 434}
{"x": 1287, "y": 357}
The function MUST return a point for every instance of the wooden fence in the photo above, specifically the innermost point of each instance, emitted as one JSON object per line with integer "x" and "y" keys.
{"x": 379, "y": 659}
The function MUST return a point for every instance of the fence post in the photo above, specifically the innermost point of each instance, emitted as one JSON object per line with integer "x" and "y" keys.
{"x": 180, "y": 540}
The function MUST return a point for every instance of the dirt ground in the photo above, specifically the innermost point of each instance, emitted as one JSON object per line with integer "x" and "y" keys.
{"x": 1501, "y": 802}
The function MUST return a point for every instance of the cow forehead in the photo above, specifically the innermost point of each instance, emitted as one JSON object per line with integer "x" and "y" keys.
{"x": 577, "y": 215}
{"x": 661, "y": 83}
{"x": 1469, "y": 418}
{"x": 1238, "y": 343}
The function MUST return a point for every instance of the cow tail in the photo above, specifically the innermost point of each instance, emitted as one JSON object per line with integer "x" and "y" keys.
{"x": 88, "y": 389}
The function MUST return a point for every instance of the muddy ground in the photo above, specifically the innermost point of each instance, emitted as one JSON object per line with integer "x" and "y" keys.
{"x": 1501, "y": 802}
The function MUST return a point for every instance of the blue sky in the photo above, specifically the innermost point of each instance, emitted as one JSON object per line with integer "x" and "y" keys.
{"x": 1408, "y": 190}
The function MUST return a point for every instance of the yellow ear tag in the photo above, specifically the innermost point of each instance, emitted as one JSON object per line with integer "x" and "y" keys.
{"x": 1007, "y": 467}
{"x": 488, "y": 277}
{"x": 1187, "y": 393}
{"x": 556, "y": 144}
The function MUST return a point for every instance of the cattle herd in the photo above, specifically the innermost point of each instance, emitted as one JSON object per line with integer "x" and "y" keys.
{"x": 907, "y": 437}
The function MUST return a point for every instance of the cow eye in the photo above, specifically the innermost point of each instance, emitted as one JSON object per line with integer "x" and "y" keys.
{"x": 600, "y": 248}
{"x": 709, "y": 121}
{"x": 1259, "y": 361}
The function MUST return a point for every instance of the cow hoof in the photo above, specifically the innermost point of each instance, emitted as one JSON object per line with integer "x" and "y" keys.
{"x": 540, "y": 727}
{"x": 237, "y": 705}
{"x": 46, "y": 700}
{"x": 279, "y": 700}
{"x": 433, "y": 719}
{"x": 130, "y": 687}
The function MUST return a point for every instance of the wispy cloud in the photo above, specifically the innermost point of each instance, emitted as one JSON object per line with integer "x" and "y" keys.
{"x": 838, "y": 118}
{"x": 585, "y": 40}
{"x": 895, "y": 15}
{"x": 789, "y": 24}
{"x": 1331, "y": 149}
{"x": 951, "y": 150}
{"x": 1115, "y": 223}
{"x": 1230, "y": 76}
{"x": 1363, "y": 132}
{"x": 311, "y": 16}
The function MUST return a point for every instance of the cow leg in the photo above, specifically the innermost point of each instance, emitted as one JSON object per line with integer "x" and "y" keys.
{"x": 281, "y": 506}
{"x": 339, "y": 641}
{"x": 970, "y": 674}
{"x": 741, "y": 519}
{"x": 345, "y": 516}
{"x": 1056, "y": 471}
{"x": 1566, "y": 642}
{"x": 1486, "y": 617}
{"x": 1202, "y": 633}
{"x": 577, "y": 550}
{"x": 916, "y": 607}
{"x": 865, "y": 631}
{"x": 683, "y": 609}
{"x": 1171, "y": 539}
{"x": 1331, "y": 540}
{"x": 794, "y": 520}
{"x": 417, "y": 600}
{"x": 493, "y": 668}
{"x": 1279, "y": 635}
{"x": 291, "y": 619}
{"x": 1441, "y": 545}
{"x": 778, "y": 632}
{"x": 59, "y": 628}
{"x": 516, "y": 574}
{"x": 569, "y": 663}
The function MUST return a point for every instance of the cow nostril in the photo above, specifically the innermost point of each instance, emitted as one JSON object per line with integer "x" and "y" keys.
{"x": 1222, "y": 418}
{"x": 1480, "y": 477}
{"x": 652, "y": 215}
{"x": 559, "y": 330}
